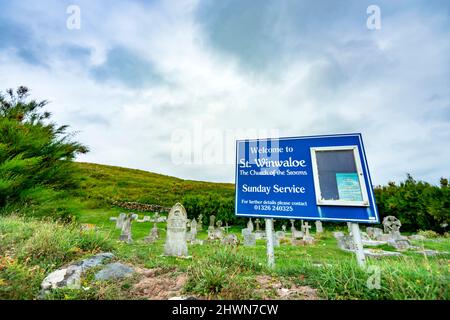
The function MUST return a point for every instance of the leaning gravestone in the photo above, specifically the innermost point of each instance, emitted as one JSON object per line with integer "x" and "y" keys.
{"x": 176, "y": 232}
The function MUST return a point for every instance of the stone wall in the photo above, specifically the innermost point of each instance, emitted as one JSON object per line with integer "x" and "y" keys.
{"x": 141, "y": 207}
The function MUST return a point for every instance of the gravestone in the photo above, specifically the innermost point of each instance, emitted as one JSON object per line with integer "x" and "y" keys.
{"x": 259, "y": 234}
{"x": 319, "y": 228}
{"x": 307, "y": 237}
{"x": 344, "y": 242}
{"x": 154, "y": 234}
{"x": 276, "y": 240}
{"x": 257, "y": 222}
{"x": 302, "y": 226}
{"x": 200, "y": 222}
{"x": 212, "y": 219}
{"x": 119, "y": 221}
{"x": 377, "y": 233}
{"x": 292, "y": 226}
{"x": 306, "y": 228}
{"x": 125, "y": 235}
{"x": 250, "y": 225}
{"x": 280, "y": 234}
{"x": 249, "y": 238}
{"x": 176, "y": 232}
{"x": 215, "y": 233}
{"x": 226, "y": 227}
{"x": 193, "y": 231}
{"x": 230, "y": 239}
{"x": 392, "y": 227}
{"x": 283, "y": 227}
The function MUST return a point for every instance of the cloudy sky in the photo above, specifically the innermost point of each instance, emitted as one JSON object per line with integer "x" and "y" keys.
{"x": 166, "y": 86}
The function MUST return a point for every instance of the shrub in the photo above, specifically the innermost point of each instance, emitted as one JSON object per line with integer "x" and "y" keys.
{"x": 35, "y": 154}
{"x": 428, "y": 233}
{"x": 418, "y": 204}
{"x": 223, "y": 274}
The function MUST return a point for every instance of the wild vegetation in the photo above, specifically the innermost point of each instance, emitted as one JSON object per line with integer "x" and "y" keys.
{"x": 30, "y": 248}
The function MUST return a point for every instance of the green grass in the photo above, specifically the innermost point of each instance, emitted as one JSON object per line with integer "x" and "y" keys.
{"x": 101, "y": 182}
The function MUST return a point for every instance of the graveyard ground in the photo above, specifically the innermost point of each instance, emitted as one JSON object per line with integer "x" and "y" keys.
{"x": 31, "y": 248}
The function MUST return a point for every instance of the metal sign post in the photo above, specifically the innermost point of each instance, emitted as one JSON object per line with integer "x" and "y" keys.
{"x": 359, "y": 250}
{"x": 269, "y": 237}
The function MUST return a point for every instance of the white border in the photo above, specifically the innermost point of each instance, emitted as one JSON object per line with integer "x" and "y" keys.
{"x": 371, "y": 195}
{"x": 362, "y": 183}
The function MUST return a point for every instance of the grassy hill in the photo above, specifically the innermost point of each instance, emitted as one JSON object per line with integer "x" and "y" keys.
{"x": 115, "y": 183}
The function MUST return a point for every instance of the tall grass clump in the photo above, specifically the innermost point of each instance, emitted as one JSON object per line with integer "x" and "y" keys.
{"x": 225, "y": 274}
{"x": 31, "y": 248}
{"x": 400, "y": 278}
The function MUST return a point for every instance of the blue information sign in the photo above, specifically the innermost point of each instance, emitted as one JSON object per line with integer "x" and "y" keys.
{"x": 310, "y": 178}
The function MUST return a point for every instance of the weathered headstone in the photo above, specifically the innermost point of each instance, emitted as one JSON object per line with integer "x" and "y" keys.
{"x": 292, "y": 225}
{"x": 200, "y": 222}
{"x": 257, "y": 222}
{"x": 250, "y": 225}
{"x": 119, "y": 221}
{"x": 193, "y": 231}
{"x": 276, "y": 240}
{"x": 249, "y": 238}
{"x": 154, "y": 234}
{"x": 212, "y": 219}
{"x": 230, "y": 239}
{"x": 307, "y": 237}
{"x": 126, "y": 228}
{"x": 306, "y": 228}
{"x": 392, "y": 226}
{"x": 283, "y": 227}
{"x": 344, "y": 242}
{"x": 319, "y": 228}
{"x": 280, "y": 234}
{"x": 176, "y": 232}
{"x": 226, "y": 226}
{"x": 377, "y": 233}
